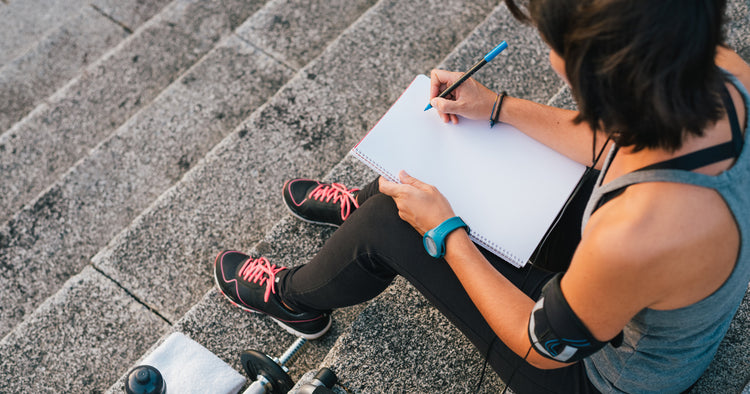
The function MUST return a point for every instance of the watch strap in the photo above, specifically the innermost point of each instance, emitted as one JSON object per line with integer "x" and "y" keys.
{"x": 439, "y": 233}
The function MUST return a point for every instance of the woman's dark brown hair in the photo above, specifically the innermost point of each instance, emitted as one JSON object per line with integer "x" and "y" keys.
{"x": 642, "y": 71}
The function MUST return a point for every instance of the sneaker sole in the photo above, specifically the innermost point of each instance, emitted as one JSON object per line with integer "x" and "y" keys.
{"x": 302, "y": 218}
{"x": 277, "y": 321}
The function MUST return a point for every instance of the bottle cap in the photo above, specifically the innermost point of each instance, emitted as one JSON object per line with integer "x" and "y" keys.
{"x": 145, "y": 379}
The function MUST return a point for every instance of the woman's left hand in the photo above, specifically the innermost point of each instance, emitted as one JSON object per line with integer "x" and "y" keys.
{"x": 419, "y": 204}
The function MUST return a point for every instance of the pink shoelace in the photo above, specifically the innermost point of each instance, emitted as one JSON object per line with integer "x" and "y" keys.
{"x": 336, "y": 192}
{"x": 262, "y": 272}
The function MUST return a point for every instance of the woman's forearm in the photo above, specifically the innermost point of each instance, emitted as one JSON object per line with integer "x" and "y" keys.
{"x": 553, "y": 127}
{"x": 505, "y": 308}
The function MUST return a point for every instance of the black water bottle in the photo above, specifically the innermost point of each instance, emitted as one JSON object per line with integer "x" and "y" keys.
{"x": 145, "y": 379}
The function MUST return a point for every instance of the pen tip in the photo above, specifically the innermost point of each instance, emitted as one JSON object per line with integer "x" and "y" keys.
{"x": 428, "y": 107}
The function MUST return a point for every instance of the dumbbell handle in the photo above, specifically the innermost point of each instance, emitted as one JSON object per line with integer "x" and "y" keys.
{"x": 257, "y": 387}
{"x": 289, "y": 353}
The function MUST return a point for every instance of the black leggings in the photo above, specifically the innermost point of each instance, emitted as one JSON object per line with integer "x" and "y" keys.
{"x": 374, "y": 245}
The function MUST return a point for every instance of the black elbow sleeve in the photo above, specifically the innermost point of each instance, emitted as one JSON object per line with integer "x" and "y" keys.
{"x": 556, "y": 332}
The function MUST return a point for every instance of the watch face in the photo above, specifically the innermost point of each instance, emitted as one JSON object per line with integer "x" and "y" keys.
{"x": 429, "y": 244}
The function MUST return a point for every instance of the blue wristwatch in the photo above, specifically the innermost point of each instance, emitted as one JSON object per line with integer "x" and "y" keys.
{"x": 434, "y": 240}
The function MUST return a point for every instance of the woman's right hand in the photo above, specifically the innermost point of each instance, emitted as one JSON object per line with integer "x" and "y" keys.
{"x": 471, "y": 99}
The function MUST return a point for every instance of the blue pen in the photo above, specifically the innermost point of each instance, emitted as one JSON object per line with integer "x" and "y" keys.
{"x": 486, "y": 59}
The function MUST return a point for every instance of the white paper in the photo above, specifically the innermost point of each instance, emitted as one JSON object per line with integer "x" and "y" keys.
{"x": 505, "y": 185}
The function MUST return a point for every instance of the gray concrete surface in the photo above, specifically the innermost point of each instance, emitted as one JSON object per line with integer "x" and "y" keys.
{"x": 53, "y": 61}
{"x": 64, "y": 51}
{"x": 296, "y": 32}
{"x": 24, "y": 22}
{"x": 400, "y": 343}
{"x": 56, "y": 134}
{"x": 130, "y": 14}
{"x": 104, "y": 192}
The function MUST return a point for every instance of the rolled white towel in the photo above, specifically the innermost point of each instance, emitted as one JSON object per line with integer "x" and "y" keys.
{"x": 187, "y": 367}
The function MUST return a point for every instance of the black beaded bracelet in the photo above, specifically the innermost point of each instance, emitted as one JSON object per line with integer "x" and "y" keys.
{"x": 495, "y": 115}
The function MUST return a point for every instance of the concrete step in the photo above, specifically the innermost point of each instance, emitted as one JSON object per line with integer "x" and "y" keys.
{"x": 59, "y": 132}
{"x": 26, "y": 21}
{"x": 107, "y": 189}
{"x": 102, "y": 194}
{"x": 94, "y": 200}
{"x": 61, "y": 54}
{"x": 78, "y": 340}
{"x": 148, "y": 152}
{"x": 401, "y": 344}
{"x": 297, "y": 32}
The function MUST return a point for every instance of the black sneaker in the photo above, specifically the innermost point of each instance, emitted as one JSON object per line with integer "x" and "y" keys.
{"x": 321, "y": 203}
{"x": 249, "y": 283}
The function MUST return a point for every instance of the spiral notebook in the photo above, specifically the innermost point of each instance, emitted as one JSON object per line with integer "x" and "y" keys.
{"x": 505, "y": 185}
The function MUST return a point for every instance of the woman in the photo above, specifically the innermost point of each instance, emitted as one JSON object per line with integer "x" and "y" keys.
{"x": 659, "y": 271}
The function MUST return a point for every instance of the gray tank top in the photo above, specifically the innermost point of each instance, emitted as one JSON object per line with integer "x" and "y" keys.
{"x": 667, "y": 351}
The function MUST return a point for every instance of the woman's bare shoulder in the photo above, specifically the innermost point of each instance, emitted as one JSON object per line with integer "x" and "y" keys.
{"x": 673, "y": 236}
{"x": 734, "y": 64}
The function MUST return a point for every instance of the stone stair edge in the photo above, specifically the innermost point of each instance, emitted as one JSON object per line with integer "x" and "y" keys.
{"x": 51, "y": 62}
{"x": 94, "y": 350}
{"x": 21, "y": 93}
{"x": 104, "y": 141}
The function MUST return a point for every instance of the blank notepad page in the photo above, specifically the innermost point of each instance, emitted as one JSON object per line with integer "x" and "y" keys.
{"x": 505, "y": 185}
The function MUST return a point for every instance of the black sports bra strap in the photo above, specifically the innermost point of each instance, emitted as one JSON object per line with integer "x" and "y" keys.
{"x": 690, "y": 161}
{"x": 710, "y": 155}
{"x": 733, "y": 121}
{"x": 696, "y": 159}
